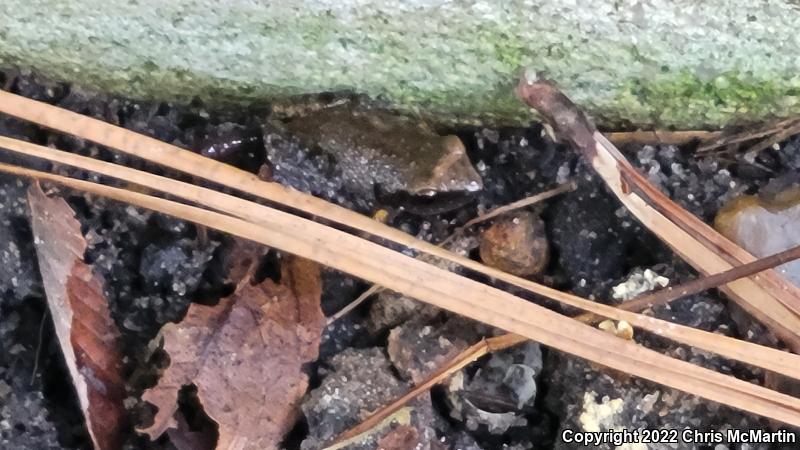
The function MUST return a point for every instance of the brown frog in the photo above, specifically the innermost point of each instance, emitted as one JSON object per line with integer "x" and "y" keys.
{"x": 346, "y": 150}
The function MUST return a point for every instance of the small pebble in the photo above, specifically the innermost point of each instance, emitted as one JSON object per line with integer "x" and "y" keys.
{"x": 516, "y": 244}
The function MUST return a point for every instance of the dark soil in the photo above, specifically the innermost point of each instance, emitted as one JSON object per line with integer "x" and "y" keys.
{"x": 154, "y": 266}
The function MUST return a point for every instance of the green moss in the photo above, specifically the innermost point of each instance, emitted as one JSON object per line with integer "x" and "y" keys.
{"x": 681, "y": 98}
{"x": 507, "y": 49}
{"x": 674, "y": 100}
{"x": 452, "y": 65}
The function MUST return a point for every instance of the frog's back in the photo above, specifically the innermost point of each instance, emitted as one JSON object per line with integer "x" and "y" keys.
{"x": 398, "y": 153}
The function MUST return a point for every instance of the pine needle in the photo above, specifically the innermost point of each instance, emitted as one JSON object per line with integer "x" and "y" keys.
{"x": 463, "y": 359}
{"x": 504, "y": 341}
{"x": 396, "y": 271}
{"x": 660, "y": 137}
{"x": 764, "y": 357}
{"x": 466, "y": 297}
{"x": 523, "y": 203}
{"x": 770, "y": 298}
{"x": 500, "y": 210}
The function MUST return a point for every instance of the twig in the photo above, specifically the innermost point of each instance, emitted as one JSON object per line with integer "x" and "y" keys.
{"x": 659, "y": 137}
{"x": 525, "y": 202}
{"x": 505, "y": 341}
{"x": 374, "y": 289}
{"x": 774, "y": 139}
{"x": 775, "y": 132}
{"x": 770, "y": 298}
{"x": 711, "y": 281}
{"x": 39, "y": 346}
{"x": 701, "y": 284}
{"x": 465, "y": 358}
{"x": 528, "y": 201}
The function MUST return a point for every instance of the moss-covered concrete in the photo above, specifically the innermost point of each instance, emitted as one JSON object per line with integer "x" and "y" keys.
{"x": 679, "y": 63}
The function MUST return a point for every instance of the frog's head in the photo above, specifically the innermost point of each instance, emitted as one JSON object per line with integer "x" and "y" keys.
{"x": 451, "y": 173}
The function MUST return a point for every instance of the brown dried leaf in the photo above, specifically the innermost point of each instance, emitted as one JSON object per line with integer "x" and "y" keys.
{"x": 184, "y": 438}
{"x": 84, "y": 328}
{"x": 245, "y": 356}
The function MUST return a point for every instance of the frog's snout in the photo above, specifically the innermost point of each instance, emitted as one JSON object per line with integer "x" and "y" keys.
{"x": 453, "y": 172}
